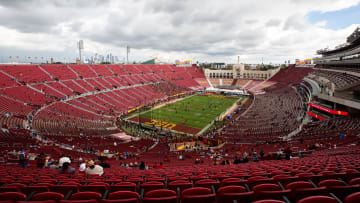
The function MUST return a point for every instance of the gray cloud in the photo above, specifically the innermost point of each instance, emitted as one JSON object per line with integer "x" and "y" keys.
{"x": 202, "y": 28}
{"x": 273, "y": 23}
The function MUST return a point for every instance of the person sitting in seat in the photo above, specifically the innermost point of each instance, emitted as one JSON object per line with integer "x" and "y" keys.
{"x": 63, "y": 160}
{"x": 66, "y": 168}
{"x": 94, "y": 169}
{"x": 82, "y": 167}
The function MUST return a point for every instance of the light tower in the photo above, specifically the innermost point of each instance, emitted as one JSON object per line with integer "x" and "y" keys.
{"x": 127, "y": 54}
{"x": 81, "y": 47}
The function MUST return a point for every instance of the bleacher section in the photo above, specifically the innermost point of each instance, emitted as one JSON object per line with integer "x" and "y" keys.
{"x": 330, "y": 175}
{"x": 272, "y": 115}
{"x": 73, "y": 115}
{"x": 341, "y": 80}
{"x": 57, "y": 95}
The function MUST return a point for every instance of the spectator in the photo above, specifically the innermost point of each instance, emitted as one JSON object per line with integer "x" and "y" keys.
{"x": 66, "y": 168}
{"x": 94, "y": 169}
{"x": 245, "y": 160}
{"x": 255, "y": 157}
{"x": 63, "y": 160}
{"x": 48, "y": 161}
{"x": 40, "y": 160}
{"x": 101, "y": 157}
{"x": 237, "y": 160}
{"x": 23, "y": 158}
{"x": 245, "y": 155}
{"x": 54, "y": 165}
{"x": 142, "y": 166}
{"x": 287, "y": 153}
{"x": 262, "y": 153}
{"x": 82, "y": 167}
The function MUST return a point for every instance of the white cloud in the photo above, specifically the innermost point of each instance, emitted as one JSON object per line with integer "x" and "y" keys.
{"x": 202, "y": 30}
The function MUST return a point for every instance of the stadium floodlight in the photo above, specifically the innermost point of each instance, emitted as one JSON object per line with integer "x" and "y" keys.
{"x": 127, "y": 54}
{"x": 80, "y": 47}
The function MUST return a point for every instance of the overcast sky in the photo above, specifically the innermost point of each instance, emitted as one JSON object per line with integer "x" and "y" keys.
{"x": 200, "y": 30}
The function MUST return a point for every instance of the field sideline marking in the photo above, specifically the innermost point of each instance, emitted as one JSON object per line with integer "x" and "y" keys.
{"x": 212, "y": 122}
{"x": 176, "y": 100}
{"x": 158, "y": 106}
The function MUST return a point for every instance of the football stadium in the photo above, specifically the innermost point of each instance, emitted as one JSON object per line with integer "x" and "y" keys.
{"x": 80, "y": 127}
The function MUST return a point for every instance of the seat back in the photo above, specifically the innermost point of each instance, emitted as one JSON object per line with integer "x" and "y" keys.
{"x": 197, "y": 195}
{"x": 161, "y": 196}
{"x": 318, "y": 199}
{"x": 29, "y": 189}
{"x": 94, "y": 188}
{"x": 15, "y": 196}
{"x": 65, "y": 189}
{"x": 149, "y": 186}
{"x": 47, "y": 196}
{"x": 123, "y": 195}
{"x": 86, "y": 196}
{"x": 181, "y": 184}
{"x": 232, "y": 181}
{"x": 299, "y": 184}
{"x": 123, "y": 186}
{"x": 228, "y": 194}
{"x": 331, "y": 182}
{"x": 266, "y": 187}
{"x": 208, "y": 183}
{"x": 353, "y": 198}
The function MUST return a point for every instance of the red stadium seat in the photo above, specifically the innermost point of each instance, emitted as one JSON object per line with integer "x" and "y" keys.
{"x": 47, "y": 196}
{"x": 354, "y": 181}
{"x": 149, "y": 186}
{"x": 353, "y": 198}
{"x": 269, "y": 201}
{"x": 228, "y": 194}
{"x": 65, "y": 189}
{"x": 86, "y": 196}
{"x": 123, "y": 186}
{"x": 269, "y": 191}
{"x": 161, "y": 196}
{"x": 302, "y": 189}
{"x": 181, "y": 184}
{"x": 122, "y": 196}
{"x": 208, "y": 183}
{"x": 318, "y": 199}
{"x": 13, "y": 196}
{"x": 233, "y": 181}
{"x": 197, "y": 195}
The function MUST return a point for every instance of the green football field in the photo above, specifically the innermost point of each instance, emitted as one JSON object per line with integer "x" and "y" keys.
{"x": 194, "y": 111}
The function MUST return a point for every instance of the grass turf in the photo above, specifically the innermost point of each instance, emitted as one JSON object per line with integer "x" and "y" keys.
{"x": 195, "y": 111}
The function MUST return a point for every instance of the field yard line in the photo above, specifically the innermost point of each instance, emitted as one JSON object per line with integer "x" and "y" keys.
{"x": 158, "y": 106}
